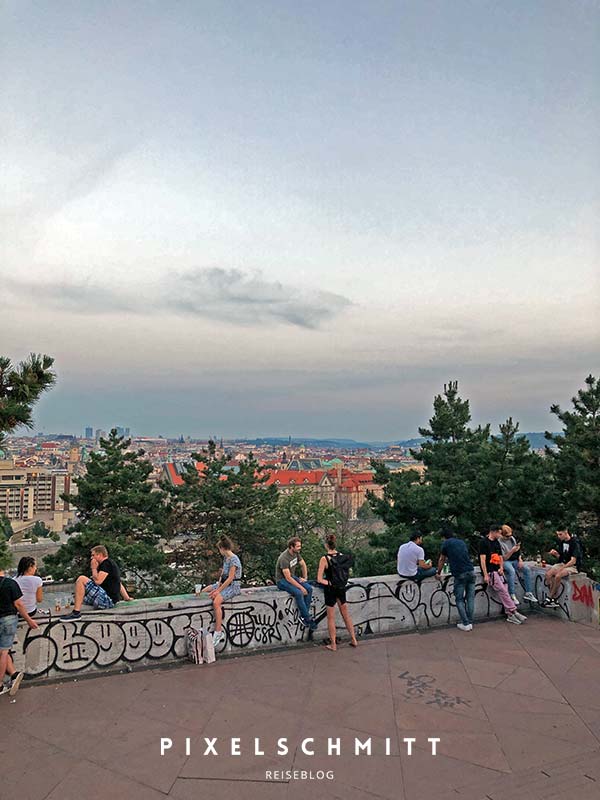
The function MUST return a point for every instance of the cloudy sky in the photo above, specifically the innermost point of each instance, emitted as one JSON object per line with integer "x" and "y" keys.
{"x": 246, "y": 218}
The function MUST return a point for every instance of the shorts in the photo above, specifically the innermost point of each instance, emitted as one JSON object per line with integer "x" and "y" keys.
{"x": 8, "y": 631}
{"x": 96, "y": 596}
{"x": 229, "y": 591}
{"x": 333, "y": 594}
{"x": 567, "y": 570}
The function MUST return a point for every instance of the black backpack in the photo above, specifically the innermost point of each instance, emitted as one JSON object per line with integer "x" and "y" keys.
{"x": 339, "y": 569}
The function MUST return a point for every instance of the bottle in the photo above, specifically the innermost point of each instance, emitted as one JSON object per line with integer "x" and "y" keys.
{"x": 538, "y": 560}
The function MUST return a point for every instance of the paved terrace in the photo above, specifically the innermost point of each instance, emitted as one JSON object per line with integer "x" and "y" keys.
{"x": 517, "y": 710}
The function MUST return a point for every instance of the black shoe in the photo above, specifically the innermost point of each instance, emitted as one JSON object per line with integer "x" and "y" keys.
{"x": 72, "y": 615}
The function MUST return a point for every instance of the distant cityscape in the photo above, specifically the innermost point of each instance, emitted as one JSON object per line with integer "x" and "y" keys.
{"x": 36, "y": 470}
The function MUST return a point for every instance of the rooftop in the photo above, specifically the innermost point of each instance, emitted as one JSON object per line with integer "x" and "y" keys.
{"x": 517, "y": 710}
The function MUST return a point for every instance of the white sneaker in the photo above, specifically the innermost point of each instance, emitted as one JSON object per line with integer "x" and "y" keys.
{"x": 520, "y": 617}
{"x": 531, "y": 597}
{"x": 513, "y": 597}
{"x": 218, "y": 637}
{"x": 462, "y": 627}
{"x": 513, "y": 618}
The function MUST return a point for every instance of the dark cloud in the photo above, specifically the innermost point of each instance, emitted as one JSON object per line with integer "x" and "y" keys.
{"x": 227, "y": 295}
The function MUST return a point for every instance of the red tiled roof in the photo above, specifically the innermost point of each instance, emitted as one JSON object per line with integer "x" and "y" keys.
{"x": 291, "y": 477}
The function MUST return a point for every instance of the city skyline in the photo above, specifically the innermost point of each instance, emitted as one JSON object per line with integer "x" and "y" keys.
{"x": 266, "y": 219}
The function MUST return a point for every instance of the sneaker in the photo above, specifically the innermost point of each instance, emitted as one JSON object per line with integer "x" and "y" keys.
{"x": 462, "y": 627}
{"x": 513, "y": 618}
{"x": 520, "y": 617}
{"x": 72, "y": 615}
{"x": 5, "y": 688}
{"x": 15, "y": 683}
{"x": 514, "y": 598}
{"x": 550, "y": 602}
{"x": 218, "y": 637}
{"x": 531, "y": 597}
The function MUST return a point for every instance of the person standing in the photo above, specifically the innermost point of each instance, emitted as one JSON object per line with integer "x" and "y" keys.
{"x": 333, "y": 575}
{"x": 492, "y": 569}
{"x": 455, "y": 551}
{"x": 288, "y": 581}
{"x": 229, "y": 585}
{"x": 30, "y": 584}
{"x": 11, "y": 605}
{"x": 411, "y": 560}
{"x": 513, "y": 564}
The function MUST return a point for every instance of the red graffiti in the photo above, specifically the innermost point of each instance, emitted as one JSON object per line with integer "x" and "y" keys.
{"x": 583, "y": 594}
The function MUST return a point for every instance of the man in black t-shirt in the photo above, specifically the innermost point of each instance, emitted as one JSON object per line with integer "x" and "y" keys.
{"x": 568, "y": 552}
{"x": 492, "y": 569}
{"x": 103, "y": 589}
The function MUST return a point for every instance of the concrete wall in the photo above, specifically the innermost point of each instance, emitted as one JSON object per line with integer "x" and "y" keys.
{"x": 152, "y": 632}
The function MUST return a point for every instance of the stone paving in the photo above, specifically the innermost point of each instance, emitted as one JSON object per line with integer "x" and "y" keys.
{"x": 517, "y": 710}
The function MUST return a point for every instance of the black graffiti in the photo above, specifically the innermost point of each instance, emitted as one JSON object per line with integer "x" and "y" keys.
{"x": 422, "y": 687}
{"x": 115, "y": 641}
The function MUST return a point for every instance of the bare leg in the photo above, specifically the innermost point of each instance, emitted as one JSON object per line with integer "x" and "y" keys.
{"x": 218, "y": 606}
{"x": 556, "y": 581}
{"x": 331, "y": 627}
{"x": 4, "y": 659}
{"x": 349, "y": 624}
{"x": 80, "y": 585}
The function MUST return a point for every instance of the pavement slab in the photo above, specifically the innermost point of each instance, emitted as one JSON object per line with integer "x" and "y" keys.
{"x": 516, "y": 708}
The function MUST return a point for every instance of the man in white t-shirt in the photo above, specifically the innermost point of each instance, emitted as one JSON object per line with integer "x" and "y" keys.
{"x": 411, "y": 560}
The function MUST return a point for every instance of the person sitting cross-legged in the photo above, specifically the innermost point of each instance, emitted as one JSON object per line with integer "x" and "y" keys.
{"x": 103, "y": 590}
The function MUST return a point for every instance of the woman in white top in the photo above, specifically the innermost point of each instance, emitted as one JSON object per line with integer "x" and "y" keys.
{"x": 30, "y": 583}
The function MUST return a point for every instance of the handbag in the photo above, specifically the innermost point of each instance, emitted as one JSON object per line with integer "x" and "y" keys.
{"x": 200, "y": 645}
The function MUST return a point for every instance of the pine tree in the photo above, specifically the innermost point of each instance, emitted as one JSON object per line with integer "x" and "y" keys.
{"x": 20, "y": 389}
{"x": 576, "y": 462}
{"x": 220, "y": 500}
{"x": 118, "y": 507}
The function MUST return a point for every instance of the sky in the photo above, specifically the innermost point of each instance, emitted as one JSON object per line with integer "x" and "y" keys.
{"x": 253, "y": 218}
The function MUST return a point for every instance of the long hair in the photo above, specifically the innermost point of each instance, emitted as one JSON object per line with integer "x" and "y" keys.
{"x": 24, "y": 564}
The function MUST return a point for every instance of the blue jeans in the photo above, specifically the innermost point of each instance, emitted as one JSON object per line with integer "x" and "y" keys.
{"x": 464, "y": 594}
{"x": 420, "y": 574}
{"x": 302, "y": 600}
{"x": 510, "y": 573}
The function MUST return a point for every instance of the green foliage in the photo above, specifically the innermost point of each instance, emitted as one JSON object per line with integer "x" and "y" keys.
{"x": 20, "y": 388}
{"x": 223, "y": 501}
{"x": 39, "y": 530}
{"x": 299, "y": 514}
{"x": 118, "y": 507}
{"x": 6, "y": 530}
{"x": 472, "y": 479}
{"x": 576, "y": 463}
{"x": 5, "y": 556}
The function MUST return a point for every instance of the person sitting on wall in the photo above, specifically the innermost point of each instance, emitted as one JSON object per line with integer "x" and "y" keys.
{"x": 411, "y": 560}
{"x": 455, "y": 551}
{"x": 104, "y": 589}
{"x": 228, "y": 586}
{"x": 11, "y": 604}
{"x": 513, "y": 564}
{"x": 30, "y": 584}
{"x": 569, "y": 554}
{"x": 288, "y": 581}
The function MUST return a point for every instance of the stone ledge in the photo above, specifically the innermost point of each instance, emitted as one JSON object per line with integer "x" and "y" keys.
{"x": 152, "y": 631}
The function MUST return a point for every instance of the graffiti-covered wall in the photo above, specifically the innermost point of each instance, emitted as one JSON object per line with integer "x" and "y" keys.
{"x": 148, "y": 632}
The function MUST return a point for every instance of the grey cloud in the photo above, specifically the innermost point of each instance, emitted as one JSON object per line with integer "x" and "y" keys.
{"x": 232, "y": 295}
{"x": 245, "y": 299}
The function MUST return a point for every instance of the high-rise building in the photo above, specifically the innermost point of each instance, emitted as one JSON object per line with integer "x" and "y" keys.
{"x": 26, "y": 493}
{"x": 89, "y": 433}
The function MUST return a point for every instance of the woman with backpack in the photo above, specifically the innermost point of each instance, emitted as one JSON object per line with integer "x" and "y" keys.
{"x": 333, "y": 576}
